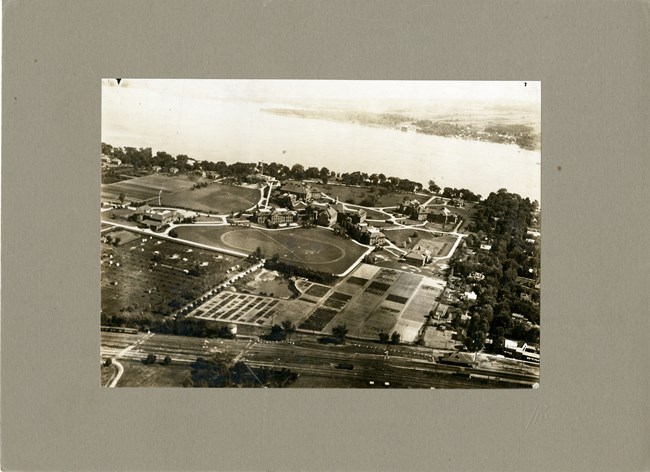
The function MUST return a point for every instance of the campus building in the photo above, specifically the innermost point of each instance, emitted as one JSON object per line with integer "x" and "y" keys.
{"x": 154, "y": 218}
{"x": 273, "y": 216}
{"x": 302, "y": 191}
{"x": 327, "y": 216}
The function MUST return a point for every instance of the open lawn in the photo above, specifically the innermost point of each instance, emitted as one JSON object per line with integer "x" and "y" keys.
{"x": 215, "y": 198}
{"x": 107, "y": 374}
{"x": 144, "y": 188}
{"x": 317, "y": 248}
{"x": 148, "y": 275}
{"x": 264, "y": 282}
{"x": 137, "y": 374}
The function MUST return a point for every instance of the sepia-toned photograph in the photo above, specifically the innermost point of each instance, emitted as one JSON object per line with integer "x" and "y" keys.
{"x": 320, "y": 233}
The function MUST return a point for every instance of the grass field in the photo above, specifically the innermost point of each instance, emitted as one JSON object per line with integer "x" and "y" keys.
{"x": 137, "y": 374}
{"x": 143, "y": 188}
{"x": 107, "y": 374}
{"x": 216, "y": 198}
{"x": 146, "y": 281}
{"x": 317, "y": 248}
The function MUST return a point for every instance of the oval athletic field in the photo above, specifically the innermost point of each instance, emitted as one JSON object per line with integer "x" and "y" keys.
{"x": 317, "y": 248}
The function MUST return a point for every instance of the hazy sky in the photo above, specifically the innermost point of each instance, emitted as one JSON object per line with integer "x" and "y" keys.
{"x": 499, "y": 92}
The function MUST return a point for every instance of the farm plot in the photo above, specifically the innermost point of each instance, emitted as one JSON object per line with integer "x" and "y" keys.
{"x": 420, "y": 306}
{"x": 392, "y": 301}
{"x": 405, "y": 285}
{"x": 350, "y": 288}
{"x": 366, "y": 271}
{"x": 317, "y": 291}
{"x": 144, "y": 188}
{"x": 318, "y": 319}
{"x": 382, "y": 320}
{"x": 316, "y": 248}
{"x": 243, "y": 308}
{"x": 356, "y": 311}
{"x": 216, "y": 198}
{"x": 407, "y": 329}
{"x": 314, "y": 293}
{"x": 387, "y": 276}
{"x": 156, "y": 276}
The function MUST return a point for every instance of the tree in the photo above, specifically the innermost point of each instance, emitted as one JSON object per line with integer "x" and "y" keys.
{"x": 433, "y": 187}
{"x": 476, "y": 333}
{"x": 277, "y": 333}
{"x": 167, "y": 360}
{"x": 498, "y": 340}
{"x": 289, "y": 328}
{"x": 339, "y": 332}
{"x": 122, "y": 197}
{"x": 173, "y": 233}
{"x": 108, "y": 362}
{"x": 383, "y": 337}
{"x": 298, "y": 172}
{"x": 150, "y": 359}
{"x": 395, "y": 338}
{"x": 259, "y": 254}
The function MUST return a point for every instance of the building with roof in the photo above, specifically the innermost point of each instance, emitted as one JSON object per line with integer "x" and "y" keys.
{"x": 376, "y": 237}
{"x": 417, "y": 257}
{"x": 327, "y": 216}
{"x": 301, "y": 190}
{"x": 154, "y": 218}
{"x": 459, "y": 358}
{"x": 273, "y": 216}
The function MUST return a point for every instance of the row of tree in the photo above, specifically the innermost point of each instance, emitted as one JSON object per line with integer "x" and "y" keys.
{"x": 216, "y": 372}
{"x": 142, "y": 158}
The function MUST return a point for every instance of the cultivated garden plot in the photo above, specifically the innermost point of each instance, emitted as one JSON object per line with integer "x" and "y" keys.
{"x": 382, "y": 320}
{"x": 243, "y": 308}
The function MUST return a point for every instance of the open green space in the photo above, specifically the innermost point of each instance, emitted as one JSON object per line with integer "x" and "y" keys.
{"x": 107, "y": 374}
{"x": 317, "y": 248}
{"x": 137, "y": 374}
{"x": 265, "y": 282}
{"x": 216, "y": 198}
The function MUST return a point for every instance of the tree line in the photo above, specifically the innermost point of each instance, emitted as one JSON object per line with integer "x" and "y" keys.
{"x": 509, "y": 269}
{"x": 142, "y": 158}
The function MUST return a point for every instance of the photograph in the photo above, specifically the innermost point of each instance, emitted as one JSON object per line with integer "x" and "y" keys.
{"x": 320, "y": 233}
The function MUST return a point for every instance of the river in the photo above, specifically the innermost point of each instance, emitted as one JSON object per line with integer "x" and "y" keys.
{"x": 221, "y": 130}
